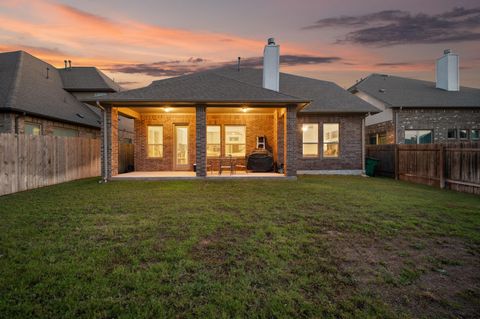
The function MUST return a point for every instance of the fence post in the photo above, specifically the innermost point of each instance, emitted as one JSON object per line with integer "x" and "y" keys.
{"x": 441, "y": 165}
{"x": 396, "y": 162}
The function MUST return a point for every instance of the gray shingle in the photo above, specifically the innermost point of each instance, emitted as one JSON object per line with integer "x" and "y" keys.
{"x": 202, "y": 87}
{"x": 78, "y": 79}
{"x": 325, "y": 97}
{"x": 397, "y": 91}
{"x": 24, "y": 87}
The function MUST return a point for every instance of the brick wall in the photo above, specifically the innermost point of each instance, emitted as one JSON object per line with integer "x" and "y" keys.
{"x": 350, "y": 157}
{"x": 438, "y": 120}
{"x": 256, "y": 124}
{"x": 7, "y": 125}
{"x": 385, "y": 127}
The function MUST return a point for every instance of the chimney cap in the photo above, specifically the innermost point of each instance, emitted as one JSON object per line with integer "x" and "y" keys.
{"x": 271, "y": 41}
{"x": 447, "y": 51}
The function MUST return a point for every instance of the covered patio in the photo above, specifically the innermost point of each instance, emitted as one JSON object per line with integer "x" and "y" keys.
{"x": 174, "y": 175}
{"x": 202, "y": 125}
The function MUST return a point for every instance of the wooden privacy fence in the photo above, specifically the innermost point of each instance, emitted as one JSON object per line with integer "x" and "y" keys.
{"x": 31, "y": 161}
{"x": 454, "y": 166}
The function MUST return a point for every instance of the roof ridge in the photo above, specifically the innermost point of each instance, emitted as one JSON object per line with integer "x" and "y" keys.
{"x": 16, "y": 81}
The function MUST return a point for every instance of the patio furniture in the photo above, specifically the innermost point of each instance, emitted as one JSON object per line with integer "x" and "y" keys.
{"x": 241, "y": 165}
{"x": 226, "y": 163}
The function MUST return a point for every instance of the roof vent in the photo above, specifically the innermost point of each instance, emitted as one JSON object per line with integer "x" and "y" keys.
{"x": 381, "y": 90}
{"x": 80, "y": 115}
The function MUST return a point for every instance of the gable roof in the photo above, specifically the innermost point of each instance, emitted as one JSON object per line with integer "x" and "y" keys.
{"x": 24, "y": 87}
{"x": 397, "y": 91}
{"x": 201, "y": 87}
{"x": 82, "y": 79}
{"x": 324, "y": 96}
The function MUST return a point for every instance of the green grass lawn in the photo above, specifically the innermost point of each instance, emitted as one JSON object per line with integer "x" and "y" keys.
{"x": 323, "y": 247}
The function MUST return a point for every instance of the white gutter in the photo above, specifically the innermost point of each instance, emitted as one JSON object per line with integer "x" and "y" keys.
{"x": 105, "y": 148}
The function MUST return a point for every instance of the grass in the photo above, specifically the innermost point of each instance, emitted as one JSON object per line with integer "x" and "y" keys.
{"x": 325, "y": 247}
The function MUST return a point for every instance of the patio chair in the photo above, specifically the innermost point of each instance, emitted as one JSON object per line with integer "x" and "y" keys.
{"x": 241, "y": 166}
{"x": 226, "y": 163}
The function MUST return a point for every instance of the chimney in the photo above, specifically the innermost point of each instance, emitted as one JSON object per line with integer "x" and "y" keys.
{"x": 271, "y": 66}
{"x": 447, "y": 72}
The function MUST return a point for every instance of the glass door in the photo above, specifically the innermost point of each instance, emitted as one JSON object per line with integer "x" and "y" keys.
{"x": 181, "y": 147}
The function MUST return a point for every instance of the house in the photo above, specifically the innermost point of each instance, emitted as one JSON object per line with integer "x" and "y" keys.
{"x": 198, "y": 120}
{"x": 37, "y": 98}
{"x": 417, "y": 112}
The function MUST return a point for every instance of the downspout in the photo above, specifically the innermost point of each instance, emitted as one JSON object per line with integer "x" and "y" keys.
{"x": 105, "y": 148}
{"x": 363, "y": 145}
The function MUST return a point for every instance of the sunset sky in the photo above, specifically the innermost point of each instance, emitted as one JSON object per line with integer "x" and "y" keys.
{"x": 136, "y": 42}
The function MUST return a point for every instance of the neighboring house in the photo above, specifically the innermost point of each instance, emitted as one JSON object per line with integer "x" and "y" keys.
{"x": 37, "y": 98}
{"x": 310, "y": 126}
{"x": 417, "y": 112}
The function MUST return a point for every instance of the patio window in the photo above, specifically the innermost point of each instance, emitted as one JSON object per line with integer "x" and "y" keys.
{"x": 418, "y": 136}
{"x": 310, "y": 140}
{"x": 32, "y": 128}
{"x": 331, "y": 132}
{"x": 213, "y": 141}
{"x": 475, "y": 134}
{"x": 155, "y": 141}
{"x": 235, "y": 137}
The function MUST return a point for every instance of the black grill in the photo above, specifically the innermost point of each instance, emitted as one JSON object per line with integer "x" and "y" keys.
{"x": 260, "y": 161}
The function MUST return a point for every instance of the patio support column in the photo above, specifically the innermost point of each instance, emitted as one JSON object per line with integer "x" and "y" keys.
{"x": 201, "y": 136}
{"x": 290, "y": 147}
{"x": 112, "y": 142}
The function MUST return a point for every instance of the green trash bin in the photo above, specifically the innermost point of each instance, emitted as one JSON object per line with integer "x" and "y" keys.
{"x": 370, "y": 165}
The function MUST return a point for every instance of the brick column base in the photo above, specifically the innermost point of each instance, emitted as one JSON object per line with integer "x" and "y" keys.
{"x": 290, "y": 147}
{"x": 201, "y": 143}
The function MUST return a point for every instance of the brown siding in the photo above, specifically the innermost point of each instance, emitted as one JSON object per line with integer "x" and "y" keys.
{"x": 350, "y": 157}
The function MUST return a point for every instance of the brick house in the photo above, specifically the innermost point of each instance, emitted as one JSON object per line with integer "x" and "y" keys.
{"x": 37, "y": 98}
{"x": 302, "y": 125}
{"x": 415, "y": 112}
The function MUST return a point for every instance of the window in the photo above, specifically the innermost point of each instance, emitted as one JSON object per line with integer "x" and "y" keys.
{"x": 310, "y": 139}
{"x": 64, "y": 132}
{"x": 331, "y": 134}
{"x": 452, "y": 133}
{"x": 372, "y": 139}
{"x": 213, "y": 140}
{"x": 155, "y": 141}
{"x": 475, "y": 134}
{"x": 418, "y": 136}
{"x": 32, "y": 128}
{"x": 382, "y": 138}
{"x": 463, "y": 134}
{"x": 235, "y": 140}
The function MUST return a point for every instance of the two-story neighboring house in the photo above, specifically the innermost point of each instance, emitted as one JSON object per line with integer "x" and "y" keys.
{"x": 418, "y": 112}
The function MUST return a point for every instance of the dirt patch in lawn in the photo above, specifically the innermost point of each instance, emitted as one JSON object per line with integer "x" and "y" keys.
{"x": 424, "y": 277}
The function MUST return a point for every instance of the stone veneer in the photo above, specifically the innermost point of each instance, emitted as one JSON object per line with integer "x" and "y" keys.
{"x": 436, "y": 119}
{"x": 350, "y": 157}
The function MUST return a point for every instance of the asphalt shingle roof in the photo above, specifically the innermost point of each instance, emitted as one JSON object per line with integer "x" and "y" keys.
{"x": 325, "y": 96}
{"x": 231, "y": 85}
{"x": 24, "y": 87}
{"x": 202, "y": 87}
{"x": 397, "y": 91}
{"x": 78, "y": 79}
